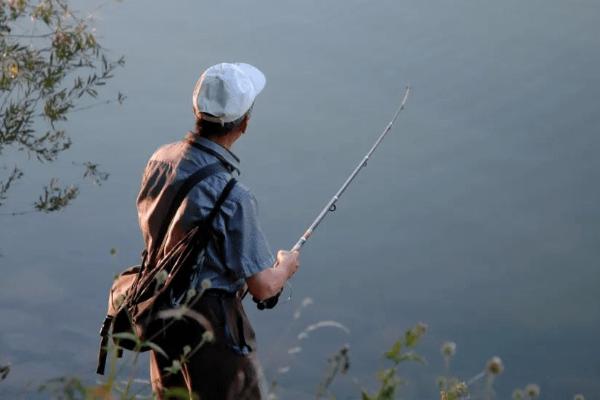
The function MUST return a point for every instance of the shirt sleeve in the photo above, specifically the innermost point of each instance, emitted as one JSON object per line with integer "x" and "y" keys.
{"x": 245, "y": 246}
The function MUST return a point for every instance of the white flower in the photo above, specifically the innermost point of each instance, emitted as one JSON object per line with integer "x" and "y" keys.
{"x": 448, "y": 349}
{"x": 518, "y": 394}
{"x": 494, "y": 366}
{"x": 460, "y": 389}
{"x": 161, "y": 277}
{"x": 532, "y": 390}
{"x": 208, "y": 336}
{"x": 307, "y": 301}
{"x": 191, "y": 293}
{"x": 206, "y": 284}
{"x": 283, "y": 370}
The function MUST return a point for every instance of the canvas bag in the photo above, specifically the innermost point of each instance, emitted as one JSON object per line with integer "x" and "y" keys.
{"x": 137, "y": 297}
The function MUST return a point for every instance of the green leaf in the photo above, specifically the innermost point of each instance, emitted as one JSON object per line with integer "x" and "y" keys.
{"x": 412, "y": 336}
{"x": 394, "y": 352}
{"x": 4, "y": 371}
{"x": 33, "y": 83}
{"x": 177, "y": 393}
{"x": 365, "y": 396}
{"x": 127, "y": 336}
{"x": 411, "y": 356}
{"x": 156, "y": 348}
{"x": 174, "y": 368}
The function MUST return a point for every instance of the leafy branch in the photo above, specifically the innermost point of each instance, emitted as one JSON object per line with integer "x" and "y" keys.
{"x": 388, "y": 378}
{"x": 44, "y": 77}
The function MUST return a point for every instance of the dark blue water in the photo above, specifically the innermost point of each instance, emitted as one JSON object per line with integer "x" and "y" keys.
{"x": 479, "y": 215}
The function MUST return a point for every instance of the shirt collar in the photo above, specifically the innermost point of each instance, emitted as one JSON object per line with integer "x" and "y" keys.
{"x": 226, "y": 155}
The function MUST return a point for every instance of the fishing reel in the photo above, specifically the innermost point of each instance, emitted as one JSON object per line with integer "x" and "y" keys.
{"x": 268, "y": 303}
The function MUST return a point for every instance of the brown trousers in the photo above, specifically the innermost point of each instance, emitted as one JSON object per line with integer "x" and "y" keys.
{"x": 216, "y": 371}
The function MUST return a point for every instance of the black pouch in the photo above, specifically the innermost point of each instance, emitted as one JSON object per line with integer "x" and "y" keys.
{"x": 238, "y": 330}
{"x": 232, "y": 327}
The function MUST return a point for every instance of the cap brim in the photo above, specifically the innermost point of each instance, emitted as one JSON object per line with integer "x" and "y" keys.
{"x": 256, "y": 76}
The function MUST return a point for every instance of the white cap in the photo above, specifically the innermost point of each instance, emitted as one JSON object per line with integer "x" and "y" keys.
{"x": 226, "y": 91}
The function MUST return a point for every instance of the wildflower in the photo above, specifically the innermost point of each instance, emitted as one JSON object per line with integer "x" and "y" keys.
{"x": 307, "y": 301}
{"x": 413, "y": 335}
{"x": 441, "y": 382}
{"x": 161, "y": 277}
{"x": 208, "y": 336}
{"x": 295, "y": 350}
{"x": 421, "y": 328}
{"x": 460, "y": 389}
{"x": 190, "y": 294}
{"x": 206, "y": 284}
{"x": 532, "y": 390}
{"x": 578, "y": 397}
{"x": 324, "y": 324}
{"x": 283, "y": 370}
{"x": 113, "y": 251}
{"x": 448, "y": 349}
{"x": 494, "y": 366}
{"x": 180, "y": 312}
{"x": 174, "y": 368}
{"x": 61, "y": 38}
{"x": 518, "y": 394}
{"x": 9, "y": 67}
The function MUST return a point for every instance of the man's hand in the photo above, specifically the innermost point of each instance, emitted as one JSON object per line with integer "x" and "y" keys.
{"x": 269, "y": 282}
{"x": 289, "y": 260}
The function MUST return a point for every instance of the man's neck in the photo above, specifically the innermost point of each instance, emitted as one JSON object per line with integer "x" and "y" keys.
{"x": 226, "y": 140}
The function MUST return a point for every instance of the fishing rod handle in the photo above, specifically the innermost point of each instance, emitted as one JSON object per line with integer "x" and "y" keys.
{"x": 304, "y": 238}
{"x": 299, "y": 244}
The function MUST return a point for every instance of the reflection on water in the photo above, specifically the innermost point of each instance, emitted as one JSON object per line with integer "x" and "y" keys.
{"x": 478, "y": 215}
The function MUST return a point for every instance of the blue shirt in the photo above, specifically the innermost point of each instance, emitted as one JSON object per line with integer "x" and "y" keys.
{"x": 238, "y": 248}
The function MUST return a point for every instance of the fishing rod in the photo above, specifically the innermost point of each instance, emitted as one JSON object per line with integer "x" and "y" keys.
{"x": 331, "y": 204}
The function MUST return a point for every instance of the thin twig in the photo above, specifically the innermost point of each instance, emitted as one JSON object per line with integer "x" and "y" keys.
{"x": 17, "y": 213}
{"x": 28, "y": 36}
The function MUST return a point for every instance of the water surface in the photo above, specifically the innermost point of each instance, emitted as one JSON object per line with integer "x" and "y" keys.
{"x": 479, "y": 215}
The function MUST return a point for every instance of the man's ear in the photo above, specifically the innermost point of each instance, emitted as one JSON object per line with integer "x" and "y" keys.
{"x": 244, "y": 124}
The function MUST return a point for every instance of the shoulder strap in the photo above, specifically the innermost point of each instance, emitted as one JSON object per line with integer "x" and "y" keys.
{"x": 220, "y": 201}
{"x": 181, "y": 194}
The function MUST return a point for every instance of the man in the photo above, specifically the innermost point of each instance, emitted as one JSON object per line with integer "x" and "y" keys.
{"x": 236, "y": 257}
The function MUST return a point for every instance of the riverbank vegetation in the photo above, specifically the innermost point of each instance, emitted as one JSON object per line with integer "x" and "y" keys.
{"x": 388, "y": 382}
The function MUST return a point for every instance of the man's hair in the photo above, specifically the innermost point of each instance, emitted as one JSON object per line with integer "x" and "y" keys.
{"x": 214, "y": 129}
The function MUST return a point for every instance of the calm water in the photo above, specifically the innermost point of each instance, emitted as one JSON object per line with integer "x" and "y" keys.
{"x": 478, "y": 216}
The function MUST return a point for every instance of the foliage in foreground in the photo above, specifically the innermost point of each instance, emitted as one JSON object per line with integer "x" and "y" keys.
{"x": 389, "y": 381}
{"x": 50, "y": 63}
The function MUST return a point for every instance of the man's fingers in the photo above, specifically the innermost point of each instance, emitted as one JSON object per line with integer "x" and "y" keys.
{"x": 290, "y": 259}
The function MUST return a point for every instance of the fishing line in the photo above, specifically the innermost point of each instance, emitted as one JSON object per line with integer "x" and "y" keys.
{"x": 331, "y": 204}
